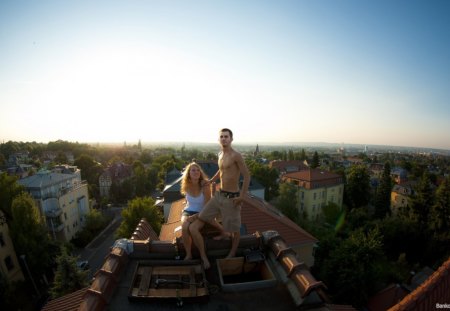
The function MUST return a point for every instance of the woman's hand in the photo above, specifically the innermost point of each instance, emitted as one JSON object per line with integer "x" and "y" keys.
{"x": 192, "y": 218}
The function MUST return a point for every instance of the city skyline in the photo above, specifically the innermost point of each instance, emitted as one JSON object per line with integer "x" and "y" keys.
{"x": 367, "y": 73}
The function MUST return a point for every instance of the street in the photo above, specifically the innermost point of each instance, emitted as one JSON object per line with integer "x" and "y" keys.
{"x": 96, "y": 251}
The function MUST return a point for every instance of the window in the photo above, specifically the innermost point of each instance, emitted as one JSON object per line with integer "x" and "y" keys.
{"x": 303, "y": 195}
{"x": 2, "y": 241}
{"x": 9, "y": 263}
{"x": 314, "y": 196}
{"x": 301, "y": 206}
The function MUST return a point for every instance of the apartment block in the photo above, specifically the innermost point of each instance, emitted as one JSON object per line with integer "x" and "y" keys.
{"x": 62, "y": 198}
{"x": 316, "y": 188}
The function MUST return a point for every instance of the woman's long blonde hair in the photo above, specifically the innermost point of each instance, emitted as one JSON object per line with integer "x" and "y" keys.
{"x": 186, "y": 181}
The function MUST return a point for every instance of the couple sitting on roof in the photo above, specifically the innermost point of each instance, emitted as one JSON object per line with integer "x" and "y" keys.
{"x": 201, "y": 208}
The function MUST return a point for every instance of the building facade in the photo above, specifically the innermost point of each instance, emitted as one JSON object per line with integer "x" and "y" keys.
{"x": 9, "y": 264}
{"x": 62, "y": 199}
{"x": 400, "y": 197}
{"x": 118, "y": 172}
{"x": 316, "y": 188}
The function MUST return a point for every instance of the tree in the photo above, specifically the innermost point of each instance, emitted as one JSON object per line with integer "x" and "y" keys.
{"x": 315, "y": 160}
{"x": 422, "y": 201}
{"x": 351, "y": 270}
{"x": 137, "y": 209}
{"x": 303, "y": 155}
{"x": 30, "y": 235}
{"x": 61, "y": 158}
{"x": 383, "y": 195}
{"x": 440, "y": 211}
{"x": 332, "y": 213}
{"x": 68, "y": 277}
{"x": 267, "y": 176}
{"x": 9, "y": 189}
{"x": 357, "y": 187}
{"x": 287, "y": 201}
{"x": 90, "y": 169}
{"x": 95, "y": 222}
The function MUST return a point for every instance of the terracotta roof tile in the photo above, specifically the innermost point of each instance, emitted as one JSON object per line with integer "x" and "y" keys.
{"x": 257, "y": 215}
{"x": 69, "y": 302}
{"x": 173, "y": 221}
{"x": 144, "y": 231}
{"x": 312, "y": 175}
{"x": 436, "y": 289}
{"x": 387, "y": 298}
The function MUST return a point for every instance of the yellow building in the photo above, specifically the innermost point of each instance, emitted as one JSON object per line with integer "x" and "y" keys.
{"x": 63, "y": 201}
{"x": 9, "y": 265}
{"x": 316, "y": 188}
{"x": 400, "y": 197}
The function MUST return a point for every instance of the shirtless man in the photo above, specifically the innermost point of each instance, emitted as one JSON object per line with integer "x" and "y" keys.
{"x": 227, "y": 201}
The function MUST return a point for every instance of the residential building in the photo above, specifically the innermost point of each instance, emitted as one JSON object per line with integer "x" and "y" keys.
{"x": 117, "y": 173}
{"x": 62, "y": 199}
{"x": 401, "y": 196}
{"x": 9, "y": 264}
{"x": 285, "y": 167}
{"x": 376, "y": 170}
{"x": 316, "y": 188}
{"x": 18, "y": 158}
{"x": 399, "y": 175}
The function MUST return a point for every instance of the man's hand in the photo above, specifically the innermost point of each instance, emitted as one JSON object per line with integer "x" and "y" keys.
{"x": 238, "y": 201}
{"x": 192, "y": 218}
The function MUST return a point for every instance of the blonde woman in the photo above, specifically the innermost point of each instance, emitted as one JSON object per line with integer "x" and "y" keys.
{"x": 197, "y": 191}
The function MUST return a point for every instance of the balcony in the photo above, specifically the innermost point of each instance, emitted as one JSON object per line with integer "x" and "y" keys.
{"x": 53, "y": 213}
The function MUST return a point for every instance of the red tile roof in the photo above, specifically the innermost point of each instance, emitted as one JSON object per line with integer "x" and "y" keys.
{"x": 257, "y": 215}
{"x": 173, "y": 221}
{"x": 435, "y": 290}
{"x": 69, "y": 302}
{"x": 312, "y": 175}
{"x": 387, "y": 298}
{"x": 144, "y": 231}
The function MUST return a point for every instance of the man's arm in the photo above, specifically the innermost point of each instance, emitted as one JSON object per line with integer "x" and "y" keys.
{"x": 245, "y": 173}
{"x": 215, "y": 177}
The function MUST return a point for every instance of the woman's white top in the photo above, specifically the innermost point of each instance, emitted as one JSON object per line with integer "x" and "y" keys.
{"x": 194, "y": 204}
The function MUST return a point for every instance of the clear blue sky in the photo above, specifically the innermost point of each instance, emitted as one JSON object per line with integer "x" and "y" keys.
{"x": 364, "y": 72}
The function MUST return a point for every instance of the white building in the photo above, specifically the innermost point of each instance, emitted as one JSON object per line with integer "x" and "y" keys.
{"x": 63, "y": 201}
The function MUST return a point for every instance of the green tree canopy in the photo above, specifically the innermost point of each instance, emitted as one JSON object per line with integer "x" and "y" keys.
{"x": 357, "y": 188}
{"x": 440, "y": 211}
{"x": 383, "y": 195}
{"x": 267, "y": 176}
{"x": 9, "y": 189}
{"x": 351, "y": 270}
{"x": 68, "y": 277}
{"x": 137, "y": 209}
{"x": 287, "y": 201}
{"x": 315, "y": 160}
{"x": 422, "y": 201}
{"x": 30, "y": 235}
{"x": 90, "y": 169}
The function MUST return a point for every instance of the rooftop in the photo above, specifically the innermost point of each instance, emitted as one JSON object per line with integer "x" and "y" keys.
{"x": 269, "y": 271}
